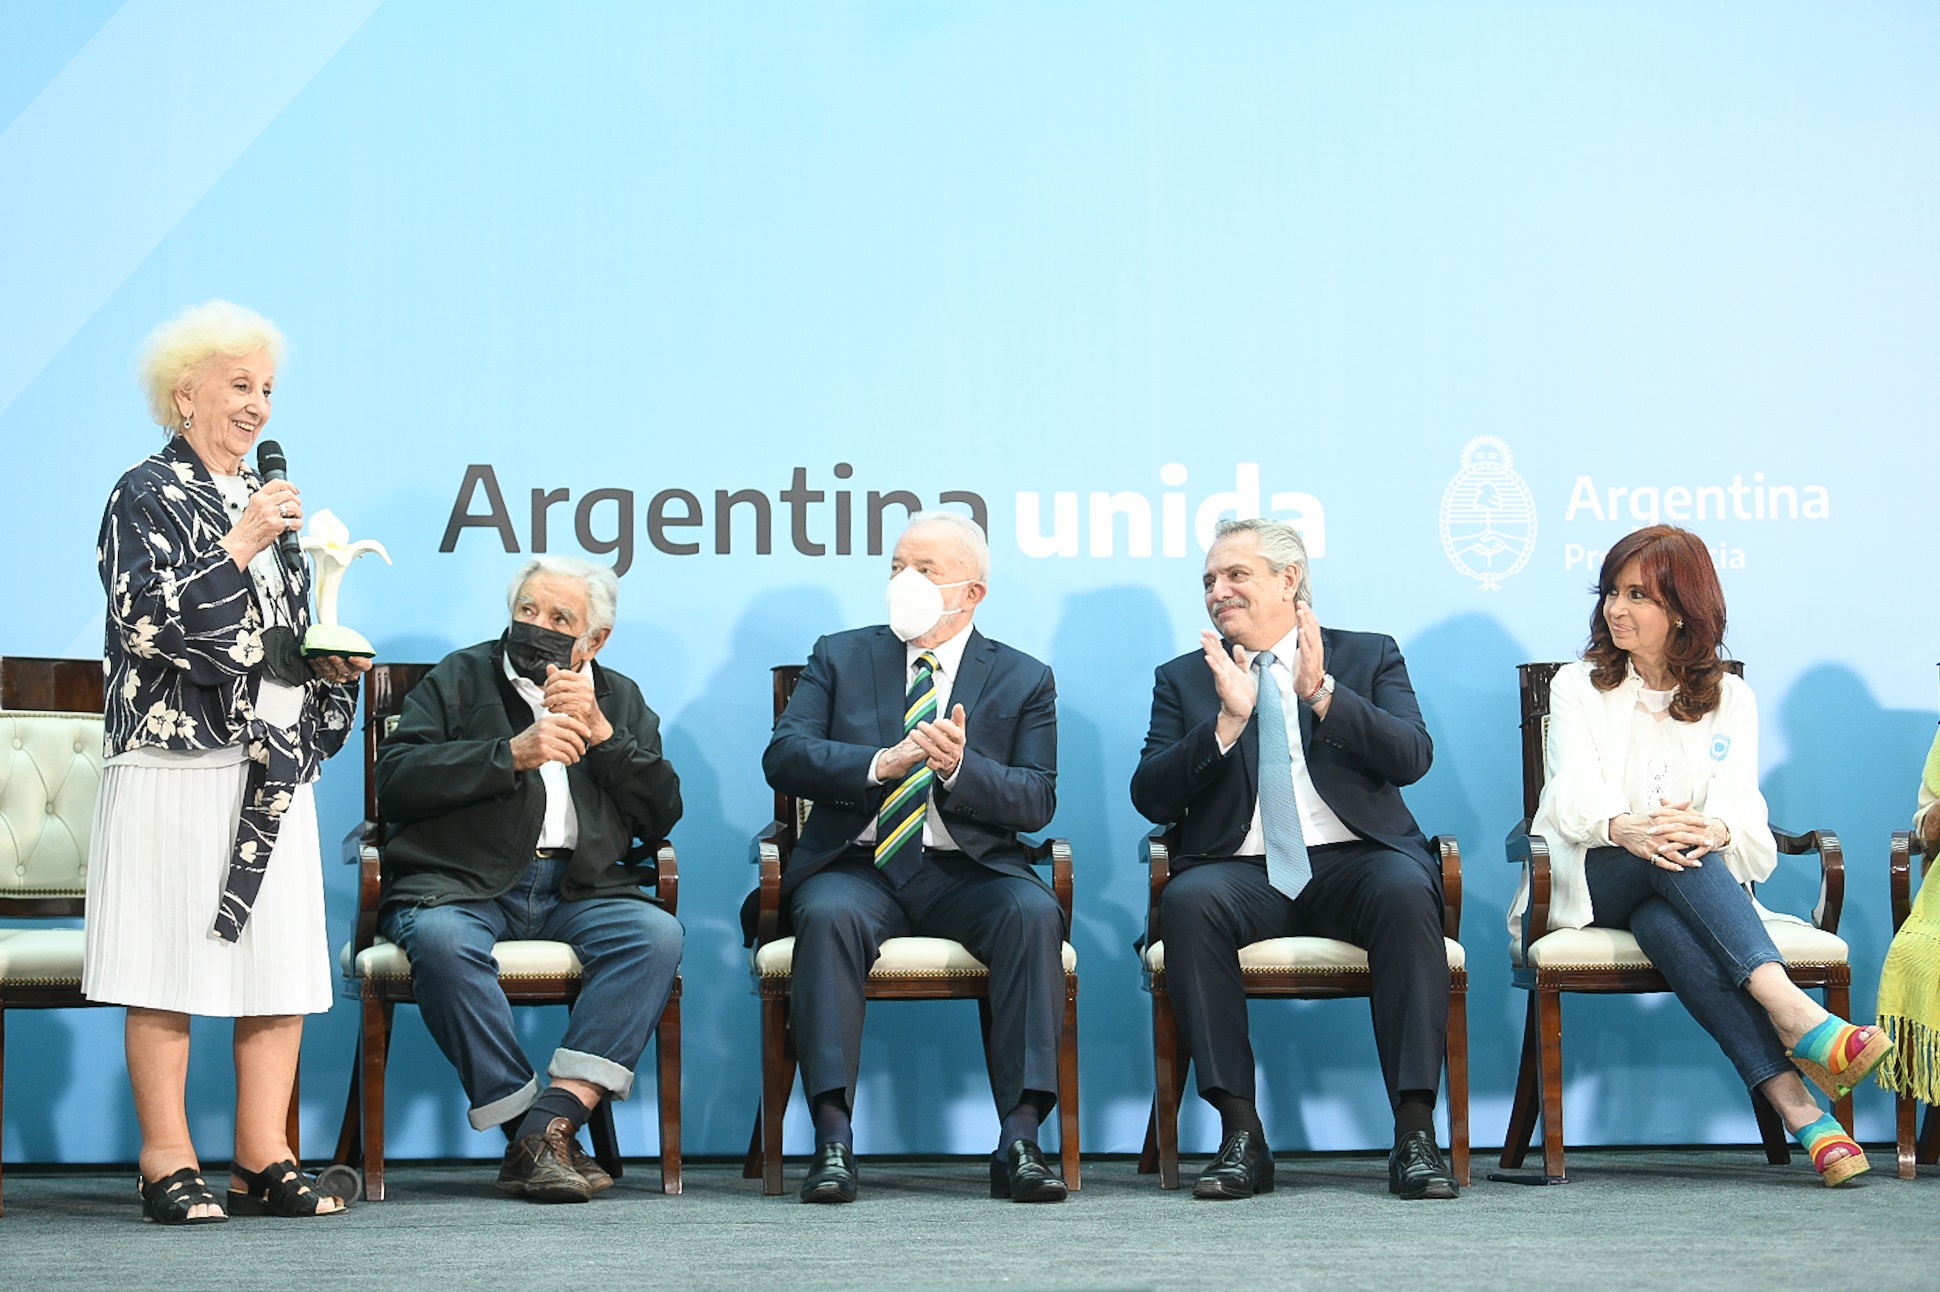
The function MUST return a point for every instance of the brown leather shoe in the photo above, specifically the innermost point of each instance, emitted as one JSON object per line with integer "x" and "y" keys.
{"x": 588, "y": 1166}
{"x": 539, "y": 1167}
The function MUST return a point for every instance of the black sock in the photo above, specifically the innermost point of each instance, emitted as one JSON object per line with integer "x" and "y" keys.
{"x": 830, "y": 1109}
{"x": 1415, "y": 1112}
{"x": 1235, "y": 1114}
{"x": 553, "y": 1102}
{"x": 1023, "y": 1121}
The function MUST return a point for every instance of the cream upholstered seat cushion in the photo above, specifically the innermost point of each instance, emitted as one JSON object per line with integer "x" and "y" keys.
{"x": 1600, "y": 948}
{"x": 41, "y": 957}
{"x": 901, "y": 957}
{"x": 50, "y": 775}
{"x": 520, "y": 959}
{"x": 1300, "y": 955}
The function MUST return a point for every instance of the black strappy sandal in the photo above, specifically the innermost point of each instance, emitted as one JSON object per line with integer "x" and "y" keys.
{"x": 279, "y": 1189}
{"x": 167, "y": 1201}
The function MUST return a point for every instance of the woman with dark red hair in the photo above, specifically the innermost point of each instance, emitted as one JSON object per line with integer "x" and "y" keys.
{"x": 1652, "y": 773}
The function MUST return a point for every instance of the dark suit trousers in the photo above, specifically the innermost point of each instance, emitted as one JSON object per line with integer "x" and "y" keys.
{"x": 1383, "y": 901}
{"x": 844, "y": 912}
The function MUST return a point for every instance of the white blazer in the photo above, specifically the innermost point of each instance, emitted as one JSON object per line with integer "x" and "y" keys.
{"x": 1588, "y": 746}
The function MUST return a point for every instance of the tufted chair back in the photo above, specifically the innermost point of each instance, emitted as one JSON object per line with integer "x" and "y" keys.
{"x": 50, "y": 772}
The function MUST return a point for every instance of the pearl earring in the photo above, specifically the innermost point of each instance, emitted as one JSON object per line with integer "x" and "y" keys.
{"x": 188, "y": 420}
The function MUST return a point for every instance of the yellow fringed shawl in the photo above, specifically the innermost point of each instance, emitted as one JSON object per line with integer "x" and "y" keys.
{"x": 1909, "y": 985}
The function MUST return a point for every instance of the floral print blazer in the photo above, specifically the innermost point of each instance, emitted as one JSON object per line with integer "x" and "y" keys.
{"x": 184, "y": 653}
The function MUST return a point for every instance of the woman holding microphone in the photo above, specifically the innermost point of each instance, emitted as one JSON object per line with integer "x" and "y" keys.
{"x": 205, "y": 885}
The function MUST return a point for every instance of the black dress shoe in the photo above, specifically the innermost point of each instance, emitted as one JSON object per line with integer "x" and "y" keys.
{"x": 1243, "y": 1168}
{"x": 1416, "y": 1169}
{"x": 832, "y": 1176}
{"x": 1025, "y": 1176}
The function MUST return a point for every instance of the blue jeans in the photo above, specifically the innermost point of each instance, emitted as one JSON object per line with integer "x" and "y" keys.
{"x": 1699, "y": 928}
{"x": 629, "y": 951}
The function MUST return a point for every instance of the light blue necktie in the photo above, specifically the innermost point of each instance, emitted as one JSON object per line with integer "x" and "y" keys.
{"x": 1287, "y": 866}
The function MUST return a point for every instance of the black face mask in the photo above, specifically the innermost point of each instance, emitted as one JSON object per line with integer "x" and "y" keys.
{"x": 530, "y": 648}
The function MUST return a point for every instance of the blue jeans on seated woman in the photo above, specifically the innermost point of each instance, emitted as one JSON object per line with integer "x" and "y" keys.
{"x": 629, "y": 951}
{"x": 1699, "y": 928}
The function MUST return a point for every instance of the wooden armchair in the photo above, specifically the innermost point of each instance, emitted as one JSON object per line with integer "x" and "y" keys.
{"x": 906, "y": 969}
{"x": 1547, "y": 962}
{"x": 50, "y": 773}
{"x": 1908, "y": 850}
{"x": 378, "y": 974}
{"x": 1294, "y": 969}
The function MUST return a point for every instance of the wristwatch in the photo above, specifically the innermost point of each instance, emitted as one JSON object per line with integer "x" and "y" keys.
{"x": 1326, "y": 688}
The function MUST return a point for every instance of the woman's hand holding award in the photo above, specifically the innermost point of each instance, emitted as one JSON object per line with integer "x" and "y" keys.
{"x": 331, "y": 552}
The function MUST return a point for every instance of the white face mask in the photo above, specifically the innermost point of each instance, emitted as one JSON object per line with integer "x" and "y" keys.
{"x": 916, "y": 604}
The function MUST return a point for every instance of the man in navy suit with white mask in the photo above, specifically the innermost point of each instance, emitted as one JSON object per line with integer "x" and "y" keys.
{"x": 925, "y": 748}
{"x": 1279, "y": 749}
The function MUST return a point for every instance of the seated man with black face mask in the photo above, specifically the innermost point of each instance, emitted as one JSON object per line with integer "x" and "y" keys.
{"x": 518, "y": 778}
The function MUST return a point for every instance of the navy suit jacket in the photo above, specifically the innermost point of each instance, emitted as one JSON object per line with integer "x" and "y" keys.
{"x": 1371, "y": 743}
{"x": 849, "y": 704}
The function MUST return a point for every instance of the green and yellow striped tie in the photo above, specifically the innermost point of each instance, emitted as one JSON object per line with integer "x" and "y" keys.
{"x": 899, "y": 822}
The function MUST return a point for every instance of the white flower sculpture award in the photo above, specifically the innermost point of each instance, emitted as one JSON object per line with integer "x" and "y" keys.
{"x": 331, "y": 552}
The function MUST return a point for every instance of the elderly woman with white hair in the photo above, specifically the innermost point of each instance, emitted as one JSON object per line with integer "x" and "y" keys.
{"x": 514, "y": 788}
{"x": 205, "y": 882}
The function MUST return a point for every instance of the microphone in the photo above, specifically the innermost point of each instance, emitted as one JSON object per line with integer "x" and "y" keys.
{"x": 272, "y": 465}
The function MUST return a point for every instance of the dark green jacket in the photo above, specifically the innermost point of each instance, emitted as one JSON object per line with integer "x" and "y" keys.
{"x": 463, "y": 825}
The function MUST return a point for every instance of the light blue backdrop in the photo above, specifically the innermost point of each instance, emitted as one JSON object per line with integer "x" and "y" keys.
{"x": 1069, "y": 258}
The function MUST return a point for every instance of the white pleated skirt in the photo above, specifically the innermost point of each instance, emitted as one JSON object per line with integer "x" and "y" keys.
{"x": 156, "y": 867}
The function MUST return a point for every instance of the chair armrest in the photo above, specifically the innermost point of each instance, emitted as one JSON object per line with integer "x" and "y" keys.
{"x": 1531, "y": 851}
{"x": 767, "y": 851}
{"x": 1450, "y": 854}
{"x": 370, "y": 883}
{"x": 1832, "y": 871}
{"x": 666, "y": 877}
{"x": 1058, "y": 853}
{"x": 1899, "y": 876}
{"x": 1158, "y": 862}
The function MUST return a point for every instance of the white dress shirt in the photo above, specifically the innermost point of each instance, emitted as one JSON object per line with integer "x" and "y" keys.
{"x": 1318, "y": 822}
{"x": 561, "y": 828}
{"x": 949, "y": 659}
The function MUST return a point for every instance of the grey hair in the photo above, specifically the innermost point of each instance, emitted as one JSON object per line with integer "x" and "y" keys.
{"x": 1280, "y": 546}
{"x": 969, "y": 535}
{"x": 602, "y": 586}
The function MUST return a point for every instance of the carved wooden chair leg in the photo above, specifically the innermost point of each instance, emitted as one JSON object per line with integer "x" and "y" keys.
{"x": 1148, "y": 1153}
{"x": 293, "y": 1119}
{"x": 350, "y": 1133}
{"x": 606, "y": 1140}
{"x": 1528, "y": 1100}
{"x": 668, "y": 1046}
{"x": 1458, "y": 1082}
{"x": 1549, "y": 1018}
{"x": 1070, "y": 1162}
{"x": 1904, "y": 1113}
{"x": 376, "y": 1047}
{"x": 1168, "y": 1076}
{"x": 751, "y": 1164}
{"x": 777, "y": 1080}
{"x": 1771, "y": 1130}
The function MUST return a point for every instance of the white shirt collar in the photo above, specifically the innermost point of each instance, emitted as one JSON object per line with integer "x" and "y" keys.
{"x": 948, "y": 656}
{"x": 529, "y": 691}
{"x": 1286, "y": 651}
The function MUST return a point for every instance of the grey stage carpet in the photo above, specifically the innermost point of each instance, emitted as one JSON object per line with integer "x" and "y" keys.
{"x": 1711, "y": 1219}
